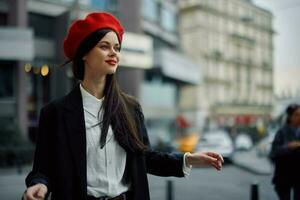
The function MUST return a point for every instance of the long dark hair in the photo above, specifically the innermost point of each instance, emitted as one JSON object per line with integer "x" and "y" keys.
{"x": 121, "y": 111}
{"x": 290, "y": 111}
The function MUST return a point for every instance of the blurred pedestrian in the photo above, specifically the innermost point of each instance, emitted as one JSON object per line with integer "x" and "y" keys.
{"x": 285, "y": 154}
{"x": 92, "y": 143}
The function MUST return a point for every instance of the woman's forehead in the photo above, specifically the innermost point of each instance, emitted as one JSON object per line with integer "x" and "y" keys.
{"x": 110, "y": 37}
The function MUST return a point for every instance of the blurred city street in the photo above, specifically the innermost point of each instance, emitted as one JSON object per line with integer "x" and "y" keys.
{"x": 209, "y": 75}
{"x": 233, "y": 182}
{"x": 207, "y": 184}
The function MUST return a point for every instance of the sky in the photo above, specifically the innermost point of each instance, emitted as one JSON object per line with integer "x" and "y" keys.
{"x": 286, "y": 24}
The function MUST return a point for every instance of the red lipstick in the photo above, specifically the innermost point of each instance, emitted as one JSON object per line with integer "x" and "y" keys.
{"x": 111, "y": 62}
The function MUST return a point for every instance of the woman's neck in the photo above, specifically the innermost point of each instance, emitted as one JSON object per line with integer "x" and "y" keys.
{"x": 95, "y": 88}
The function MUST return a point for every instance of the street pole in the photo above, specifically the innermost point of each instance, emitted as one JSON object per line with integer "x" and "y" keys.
{"x": 254, "y": 193}
{"x": 169, "y": 190}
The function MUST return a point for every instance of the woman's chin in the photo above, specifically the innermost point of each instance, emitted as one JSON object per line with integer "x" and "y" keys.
{"x": 111, "y": 71}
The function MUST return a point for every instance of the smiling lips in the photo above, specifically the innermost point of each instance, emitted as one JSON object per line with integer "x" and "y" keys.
{"x": 111, "y": 62}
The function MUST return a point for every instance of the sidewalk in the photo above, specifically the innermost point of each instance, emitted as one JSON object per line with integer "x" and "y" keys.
{"x": 12, "y": 182}
{"x": 23, "y": 169}
{"x": 250, "y": 161}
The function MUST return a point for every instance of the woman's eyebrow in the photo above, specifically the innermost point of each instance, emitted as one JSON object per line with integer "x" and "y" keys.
{"x": 108, "y": 42}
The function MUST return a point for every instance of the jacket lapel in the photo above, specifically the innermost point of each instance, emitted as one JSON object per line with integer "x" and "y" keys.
{"x": 74, "y": 120}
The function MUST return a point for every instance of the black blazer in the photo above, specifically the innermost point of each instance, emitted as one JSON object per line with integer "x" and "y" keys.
{"x": 287, "y": 162}
{"x": 60, "y": 155}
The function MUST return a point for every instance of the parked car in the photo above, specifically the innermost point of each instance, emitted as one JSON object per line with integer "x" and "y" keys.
{"x": 188, "y": 142}
{"x": 218, "y": 141}
{"x": 263, "y": 148}
{"x": 243, "y": 142}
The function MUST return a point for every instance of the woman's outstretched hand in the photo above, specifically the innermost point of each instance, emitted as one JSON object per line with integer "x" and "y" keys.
{"x": 35, "y": 192}
{"x": 202, "y": 159}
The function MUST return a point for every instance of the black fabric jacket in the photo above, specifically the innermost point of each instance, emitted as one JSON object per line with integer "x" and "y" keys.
{"x": 60, "y": 156}
{"x": 287, "y": 162}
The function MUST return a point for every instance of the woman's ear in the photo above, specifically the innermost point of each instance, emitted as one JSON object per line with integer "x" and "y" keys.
{"x": 84, "y": 58}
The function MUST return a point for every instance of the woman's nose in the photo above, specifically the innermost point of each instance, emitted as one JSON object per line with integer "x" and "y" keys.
{"x": 113, "y": 52}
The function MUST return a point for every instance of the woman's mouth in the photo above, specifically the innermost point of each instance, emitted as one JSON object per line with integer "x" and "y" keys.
{"x": 111, "y": 62}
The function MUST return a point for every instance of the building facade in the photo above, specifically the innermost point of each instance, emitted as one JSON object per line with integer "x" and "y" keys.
{"x": 171, "y": 71}
{"x": 151, "y": 68}
{"x": 232, "y": 41}
{"x": 32, "y": 33}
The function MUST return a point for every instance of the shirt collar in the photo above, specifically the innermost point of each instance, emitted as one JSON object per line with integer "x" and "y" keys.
{"x": 91, "y": 104}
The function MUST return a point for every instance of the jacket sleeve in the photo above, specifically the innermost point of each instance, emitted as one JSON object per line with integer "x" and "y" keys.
{"x": 41, "y": 170}
{"x": 160, "y": 163}
{"x": 279, "y": 146}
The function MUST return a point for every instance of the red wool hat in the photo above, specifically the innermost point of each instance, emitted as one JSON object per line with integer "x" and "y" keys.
{"x": 82, "y": 28}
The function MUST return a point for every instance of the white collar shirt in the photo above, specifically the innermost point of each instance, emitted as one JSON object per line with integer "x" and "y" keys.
{"x": 106, "y": 166}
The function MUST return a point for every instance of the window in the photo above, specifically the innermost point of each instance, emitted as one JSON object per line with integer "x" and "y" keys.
{"x": 3, "y": 19}
{"x": 65, "y": 1}
{"x": 43, "y": 26}
{"x": 168, "y": 19}
{"x": 150, "y": 10}
{"x": 99, "y": 4}
{"x": 6, "y": 79}
{"x": 84, "y": 2}
{"x": 110, "y": 5}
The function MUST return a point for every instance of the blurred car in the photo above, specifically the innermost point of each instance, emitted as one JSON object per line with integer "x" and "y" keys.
{"x": 217, "y": 141}
{"x": 187, "y": 143}
{"x": 263, "y": 148}
{"x": 243, "y": 142}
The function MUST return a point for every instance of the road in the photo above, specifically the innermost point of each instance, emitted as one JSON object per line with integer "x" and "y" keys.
{"x": 232, "y": 183}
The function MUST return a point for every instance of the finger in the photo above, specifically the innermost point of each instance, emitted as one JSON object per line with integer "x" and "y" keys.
{"x": 29, "y": 194}
{"x": 213, "y": 162}
{"x": 220, "y": 164}
{"x": 215, "y": 155}
{"x": 41, "y": 192}
{"x": 212, "y": 159}
{"x": 216, "y": 166}
{"x": 221, "y": 158}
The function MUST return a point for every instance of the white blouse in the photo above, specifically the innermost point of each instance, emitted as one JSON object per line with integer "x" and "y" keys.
{"x": 105, "y": 167}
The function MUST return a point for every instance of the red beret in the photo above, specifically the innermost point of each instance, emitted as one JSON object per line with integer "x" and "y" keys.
{"x": 82, "y": 28}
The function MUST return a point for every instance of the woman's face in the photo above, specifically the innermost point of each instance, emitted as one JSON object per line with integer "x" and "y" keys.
{"x": 295, "y": 118}
{"x": 103, "y": 59}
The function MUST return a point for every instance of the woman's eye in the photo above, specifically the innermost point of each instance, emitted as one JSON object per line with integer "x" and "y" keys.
{"x": 118, "y": 49}
{"x": 104, "y": 47}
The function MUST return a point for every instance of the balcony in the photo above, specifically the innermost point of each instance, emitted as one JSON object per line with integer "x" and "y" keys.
{"x": 241, "y": 39}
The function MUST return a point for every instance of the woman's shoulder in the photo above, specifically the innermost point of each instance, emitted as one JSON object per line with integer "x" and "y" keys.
{"x": 73, "y": 97}
{"x": 283, "y": 131}
{"x": 54, "y": 104}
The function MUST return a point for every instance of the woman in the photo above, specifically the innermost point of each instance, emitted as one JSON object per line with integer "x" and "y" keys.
{"x": 92, "y": 143}
{"x": 285, "y": 154}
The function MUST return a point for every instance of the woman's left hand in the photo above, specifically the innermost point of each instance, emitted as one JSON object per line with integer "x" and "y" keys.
{"x": 202, "y": 159}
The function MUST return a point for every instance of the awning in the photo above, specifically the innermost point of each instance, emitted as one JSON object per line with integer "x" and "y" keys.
{"x": 177, "y": 66}
{"x": 137, "y": 51}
